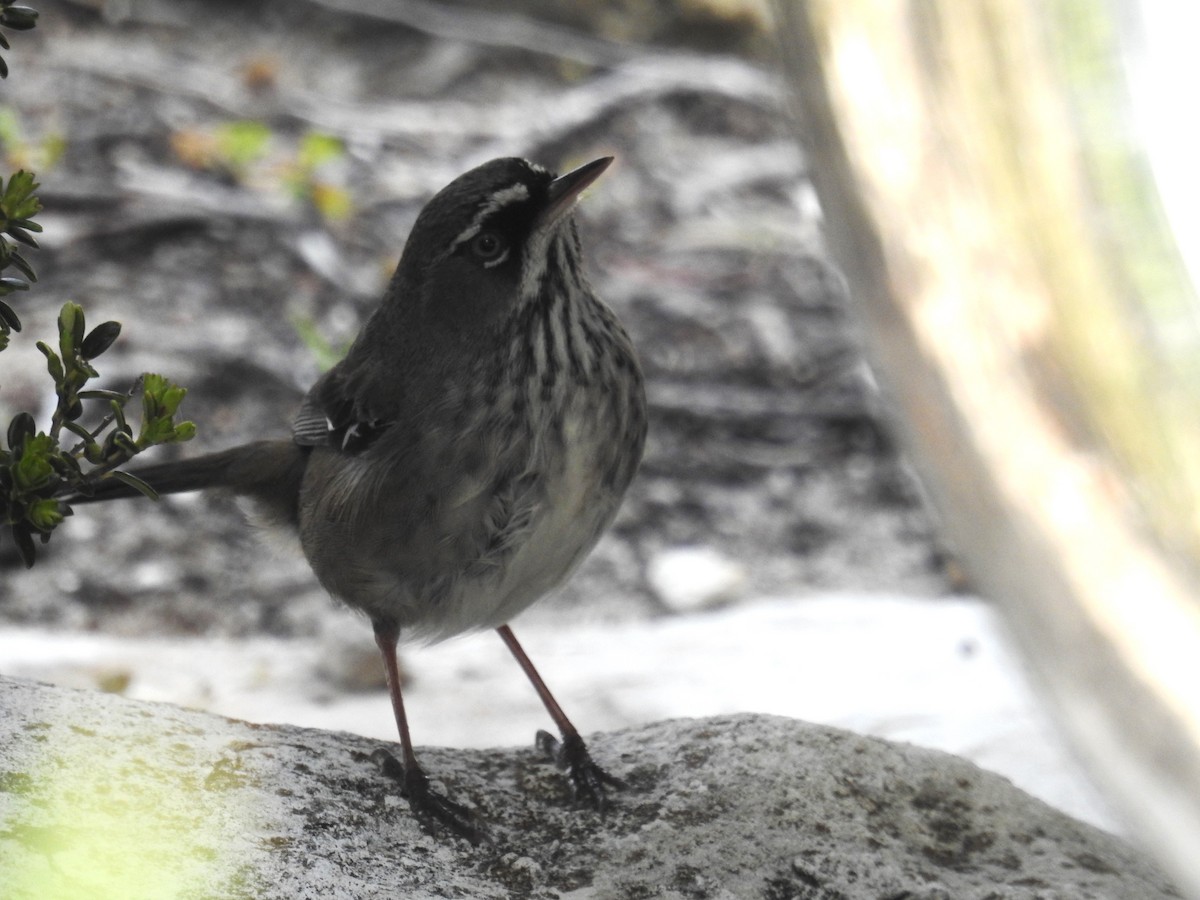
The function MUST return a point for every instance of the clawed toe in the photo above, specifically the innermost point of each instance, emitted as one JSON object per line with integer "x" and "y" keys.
{"x": 589, "y": 782}
{"x": 430, "y": 807}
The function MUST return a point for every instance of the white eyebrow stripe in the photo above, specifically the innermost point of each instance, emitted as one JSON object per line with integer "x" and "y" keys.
{"x": 502, "y": 198}
{"x": 506, "y": 196}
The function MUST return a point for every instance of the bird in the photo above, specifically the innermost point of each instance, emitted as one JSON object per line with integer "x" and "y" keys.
{"x": 467, "y": 452}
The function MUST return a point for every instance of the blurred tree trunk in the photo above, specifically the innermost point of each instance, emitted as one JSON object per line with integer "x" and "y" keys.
{"x": 1035, "y": 330}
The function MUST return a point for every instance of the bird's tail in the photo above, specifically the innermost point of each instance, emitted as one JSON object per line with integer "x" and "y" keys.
{"x": 268, "y": 471}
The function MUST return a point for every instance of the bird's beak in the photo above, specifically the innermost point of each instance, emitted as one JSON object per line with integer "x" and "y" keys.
{"x": 565, "y": 190}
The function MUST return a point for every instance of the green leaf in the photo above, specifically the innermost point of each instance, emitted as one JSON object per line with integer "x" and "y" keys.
{"x": 92, "y": 451}
{"x": 17, "y": 261}
{"x": 9, "y": 317}
{"x": 44, "y": 514}
{"x": 117, "y": 407}
{"x": 17, "y": 200}
{"x": 100, "y": 339}
{"x": 121, "y": 443}
{"x": 69, "y": 471}
{"x": 53, "y": 363}
{"x": 19, "y": 18}
{"x": 171, "y": 398}
{"x": 20, "y": 429}
{"x": 98, "y": 394}
{"x": 19, "y": 234}
{"x": 160, "y": 401}
{"x": 153, "y": 385}
{"x": 134, "y": 482}
{"x": 33, "y": 470}
{"x": 9, "y": 284}
{"x": 70, "y": 331}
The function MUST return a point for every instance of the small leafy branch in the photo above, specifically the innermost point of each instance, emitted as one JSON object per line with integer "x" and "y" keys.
{"x": 36, "y": 471}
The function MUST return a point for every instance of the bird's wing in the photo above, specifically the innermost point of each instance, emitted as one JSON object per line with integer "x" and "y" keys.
{"x": 332, "y": 415}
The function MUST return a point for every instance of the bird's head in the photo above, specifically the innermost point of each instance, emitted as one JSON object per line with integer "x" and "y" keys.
{"x": 490, "y": 241}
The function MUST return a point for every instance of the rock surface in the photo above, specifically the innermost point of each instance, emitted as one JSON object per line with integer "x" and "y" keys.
{"x": 106, "y": 797}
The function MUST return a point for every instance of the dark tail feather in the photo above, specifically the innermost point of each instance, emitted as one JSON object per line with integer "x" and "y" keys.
{"x": 268, "y": 471}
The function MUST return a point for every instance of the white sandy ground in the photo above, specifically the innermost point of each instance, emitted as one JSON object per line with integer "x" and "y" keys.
{"x": 938, "y": 673}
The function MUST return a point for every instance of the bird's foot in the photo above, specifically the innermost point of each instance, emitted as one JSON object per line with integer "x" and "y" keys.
{"x": 430, "y": 807}
{"x": 589, "y": 782}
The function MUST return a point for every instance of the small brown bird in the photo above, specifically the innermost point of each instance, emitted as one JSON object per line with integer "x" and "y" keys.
{"x": 471, "y": 447}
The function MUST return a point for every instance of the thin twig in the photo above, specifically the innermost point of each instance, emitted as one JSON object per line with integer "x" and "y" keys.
{"x": 77, "y": 450}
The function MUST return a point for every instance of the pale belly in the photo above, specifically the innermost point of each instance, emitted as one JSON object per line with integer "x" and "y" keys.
{"x": 574, "y": 508}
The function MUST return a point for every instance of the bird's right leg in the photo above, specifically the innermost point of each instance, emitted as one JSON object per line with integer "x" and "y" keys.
{"x": 427, "y": 805}
{"x": 589, "y": 782}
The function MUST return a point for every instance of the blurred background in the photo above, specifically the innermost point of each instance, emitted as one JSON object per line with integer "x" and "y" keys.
{"x": 233, "y": 181}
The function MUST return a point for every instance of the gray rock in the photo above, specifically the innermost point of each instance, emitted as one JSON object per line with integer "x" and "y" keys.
{"x": 105, "y": 797}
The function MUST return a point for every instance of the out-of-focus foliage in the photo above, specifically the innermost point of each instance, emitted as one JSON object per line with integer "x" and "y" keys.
{"x": 248, "y": 152}
{"x": 24, "y": 151}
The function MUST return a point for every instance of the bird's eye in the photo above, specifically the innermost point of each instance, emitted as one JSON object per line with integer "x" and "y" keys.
{"x": 488, "y": 246}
